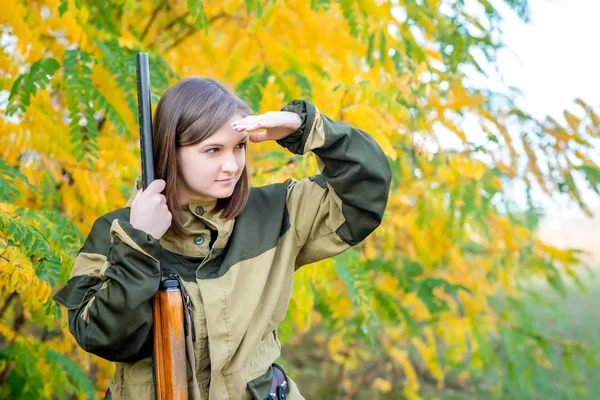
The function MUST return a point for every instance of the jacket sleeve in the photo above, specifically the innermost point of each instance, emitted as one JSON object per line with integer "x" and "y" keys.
{"x": 340, "y": 207}
{"x": 109, "y": 292}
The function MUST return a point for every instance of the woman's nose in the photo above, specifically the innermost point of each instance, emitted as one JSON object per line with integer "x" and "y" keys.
{"x": 229, "y": 165}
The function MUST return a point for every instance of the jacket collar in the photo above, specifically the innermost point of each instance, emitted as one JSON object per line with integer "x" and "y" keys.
{"x": 198, "y": 217}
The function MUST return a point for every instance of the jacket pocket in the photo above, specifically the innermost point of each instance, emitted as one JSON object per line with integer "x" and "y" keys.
{"x": 138, "y": 373}
{"x": 260, "y": 387}
{"x": 77, "y": 291}
{"x": 267, "y": 351}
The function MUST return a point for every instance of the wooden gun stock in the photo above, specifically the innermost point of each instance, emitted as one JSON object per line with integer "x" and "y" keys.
{"x": 169, "y": 357}
{"x": 169, "y": 342}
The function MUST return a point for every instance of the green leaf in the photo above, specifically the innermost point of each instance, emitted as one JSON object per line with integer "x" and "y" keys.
{"x": 555, "y": 280}
{"x": 349, "y": 14}
{"x": 250, "y": 88}
{"x": 63, "y": 8}
{"x": 302, "y": 82}
{"x": 370, "y": 44}
{"x": 26, "y": 85}
{"x": 383, "y": 49}
{"x": 73, "y": 372}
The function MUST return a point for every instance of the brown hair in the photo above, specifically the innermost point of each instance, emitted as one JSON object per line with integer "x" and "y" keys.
{"x": 189, "y": 112}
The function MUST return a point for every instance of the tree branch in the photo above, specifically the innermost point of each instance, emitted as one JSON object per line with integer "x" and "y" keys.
{"x": 180, "y": 39}
{"x": 191, "y": 29}
{"x": 176, "y": 20}
{"x": 7, "y": 303}
{"x": 151, "y": 20}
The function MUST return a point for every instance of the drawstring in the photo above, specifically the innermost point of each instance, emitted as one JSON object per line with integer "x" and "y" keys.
{"x": 189, "y": 346}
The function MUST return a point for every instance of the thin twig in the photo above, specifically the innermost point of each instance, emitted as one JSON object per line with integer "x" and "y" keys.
{"x": 191, "y": 29}
{"x": 151, "y": 20}
{"x": 18, "y": 324}
{"x": 7, "y": 303}
{"x": 190, "y": 32}
{"x": 176, "y": 20}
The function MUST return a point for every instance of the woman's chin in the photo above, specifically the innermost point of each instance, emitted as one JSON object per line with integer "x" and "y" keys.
{"x": 222, "y": 193}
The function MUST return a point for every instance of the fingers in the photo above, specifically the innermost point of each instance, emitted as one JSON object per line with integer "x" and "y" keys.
{"x": 259, "y": 137}
{"x": 153, "y": 191}
{"x": 137, "y": 195}
{"x": 157, "y": 186}
{"x": 245, "y": 120}
{"x": 248, "y": 127}
{"x": 254, "y": 122}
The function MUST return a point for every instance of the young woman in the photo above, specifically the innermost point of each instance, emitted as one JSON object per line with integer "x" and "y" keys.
{"x": 235, "y": 247}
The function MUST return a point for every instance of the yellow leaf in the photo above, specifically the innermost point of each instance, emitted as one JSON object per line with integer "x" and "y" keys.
{"x": 450, "y": 125}
{"x": 383, "y": 385}
{"x": 572, "y": 120}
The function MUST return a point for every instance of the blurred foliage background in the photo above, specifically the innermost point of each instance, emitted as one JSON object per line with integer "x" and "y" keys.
{"x": 454, "y": 296}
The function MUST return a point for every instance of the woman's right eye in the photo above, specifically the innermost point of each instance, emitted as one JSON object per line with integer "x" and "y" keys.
{"x": 212, "y": 151}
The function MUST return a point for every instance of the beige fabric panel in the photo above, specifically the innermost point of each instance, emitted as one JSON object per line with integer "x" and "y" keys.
{"x": 316, "y": 137}
{"x": 186, "y": 244}
{"x": 315, "y": 212}
{"x": 88, "y": 264}
{"x": 198, "y": 225}
{"x": 103, "y": 270}
{"x": 200, "y": 345}
{"x": 239, "y": 310}
{"x": 140, "y": 383}
{"x": 117, "y": 229}
{"x": 134, "y": 380}
{"x": 85, "y": 315}
{"x": 294, "y": 393}
{"x": 322, "y": 207}
{"x": 243, "y": 309}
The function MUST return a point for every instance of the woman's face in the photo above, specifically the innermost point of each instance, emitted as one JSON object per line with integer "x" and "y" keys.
{"x": 210, "y": 169}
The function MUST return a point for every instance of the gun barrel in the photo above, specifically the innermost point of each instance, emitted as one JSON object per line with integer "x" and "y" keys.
{"x": 145, "y": 117}
{"x": 168, "y": 315}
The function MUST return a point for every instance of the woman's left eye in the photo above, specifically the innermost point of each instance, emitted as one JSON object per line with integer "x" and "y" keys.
{"x": 242, "y": 145}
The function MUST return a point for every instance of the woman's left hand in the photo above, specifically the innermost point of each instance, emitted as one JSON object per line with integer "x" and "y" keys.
{"x": 276, "y": 124}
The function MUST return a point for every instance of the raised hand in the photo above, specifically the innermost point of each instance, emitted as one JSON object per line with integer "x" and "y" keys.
{"x": 276, "y": 124}
{"x": 149, "y": 211}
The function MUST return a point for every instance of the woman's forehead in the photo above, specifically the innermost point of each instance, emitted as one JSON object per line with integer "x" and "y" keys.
{"x": 225, "y": 135}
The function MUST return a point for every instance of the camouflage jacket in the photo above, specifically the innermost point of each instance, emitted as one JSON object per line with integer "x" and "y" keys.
{"x": 239, "y": 273}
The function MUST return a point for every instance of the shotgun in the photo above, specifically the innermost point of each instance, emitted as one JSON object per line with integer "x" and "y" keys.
{"x": 170, "y": 325}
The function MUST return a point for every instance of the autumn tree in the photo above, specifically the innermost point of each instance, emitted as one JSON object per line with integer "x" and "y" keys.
{"x": 417, "y": 301}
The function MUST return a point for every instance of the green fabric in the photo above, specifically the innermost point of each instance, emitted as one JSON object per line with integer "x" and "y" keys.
{"x": 355, "y": 166}
{"x": 141, "y": 238}
{"x": 236, "y": 312}
{"x": 100, "y": 243}
{"x": 120, "y": 317}
{"x": 184, "y": 266}
{"x": 319, "y": 180}
{"x": 257, "y": 229}
{"x": 297, "y": 140}
{"x": 260, "y": 387}
{"x": 77, "y": 291}
{"x": 360, "y": 174}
